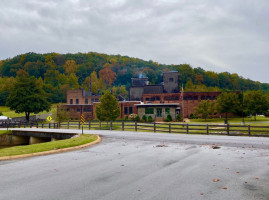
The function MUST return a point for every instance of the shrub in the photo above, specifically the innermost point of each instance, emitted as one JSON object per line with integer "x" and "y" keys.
{"x": 137, "y": 118}
{"x": 126, "y": 118}
{"x": 133, "y": 117}
{"x": 150, "y": 119}
{"x": 178, "y": 118}
{"x": 144, "y": 118}
{"x": 168, "y": 118}
{"x": 1, "y": 113}
{"x": 192, "y": 116}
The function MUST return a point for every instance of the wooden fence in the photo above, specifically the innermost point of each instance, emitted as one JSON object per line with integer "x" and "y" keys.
{"x": 176, "y": 128}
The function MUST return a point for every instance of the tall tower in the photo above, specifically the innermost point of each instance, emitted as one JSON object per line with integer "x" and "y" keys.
{"x": 171, "y": 82}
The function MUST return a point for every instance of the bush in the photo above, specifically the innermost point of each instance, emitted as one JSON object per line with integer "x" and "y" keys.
{"x": 168, "y": 118}
{"x": 144, "y": 118}
{"x": 137, "y": 118}
{"x": 1, "y": 113}
{"x": 150, "y": 119}
{"x": 192, "y": 116}
{"x": 133, "y": 117}
{"x": 126, "y": 118}
{"x": 178, "y": 118}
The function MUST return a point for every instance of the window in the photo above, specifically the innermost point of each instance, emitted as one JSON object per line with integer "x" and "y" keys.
{"x": 77, "y": 101}
{"x": 171, "y": 79}
{"x": 147, "y": 99}
{"x": 71, "y": 101}
{"x": 78, "y": 110}
{"x": 67, "y": 110}
{"x": 86, "y": 101}
{"x": 130, "y": 110}
{"x": 149, "y": 111}
{"x": 167, "y": 111}
{"x": 87, "y": 109}
{"x": 126, "y": 110}
{"x": 158, "y": 98}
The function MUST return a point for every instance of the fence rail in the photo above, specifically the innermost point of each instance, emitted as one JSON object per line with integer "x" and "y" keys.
{"x": 176, "y": 128}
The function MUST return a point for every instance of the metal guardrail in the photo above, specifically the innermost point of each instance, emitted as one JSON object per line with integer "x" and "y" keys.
{"x": 176, "y": 128}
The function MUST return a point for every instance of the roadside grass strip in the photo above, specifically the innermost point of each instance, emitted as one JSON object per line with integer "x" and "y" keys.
{"x": 5, "y": 132}
{"x": 48, "y": 146}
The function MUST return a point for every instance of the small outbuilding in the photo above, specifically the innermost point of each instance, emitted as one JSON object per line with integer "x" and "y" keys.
{"x": 158, "y": 112}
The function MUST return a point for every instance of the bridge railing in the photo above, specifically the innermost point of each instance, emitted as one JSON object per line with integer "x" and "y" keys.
{"x": 176, "y": 128}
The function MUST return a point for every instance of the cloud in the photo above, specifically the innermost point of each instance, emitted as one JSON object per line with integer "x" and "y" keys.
{"x": 220, "y": 35}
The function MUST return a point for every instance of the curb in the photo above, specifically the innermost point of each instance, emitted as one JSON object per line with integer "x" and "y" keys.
{"x": 99, "y": 139}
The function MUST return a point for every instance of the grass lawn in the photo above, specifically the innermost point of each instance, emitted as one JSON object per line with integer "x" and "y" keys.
{"x": 231, "y": 120}
{"x": 11, "y": 113}
{"x": 5, "y": 132}
{"x": 47, "y": 146}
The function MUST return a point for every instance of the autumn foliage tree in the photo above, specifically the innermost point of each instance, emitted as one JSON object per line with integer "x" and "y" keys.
{"x": 107, "y": 75}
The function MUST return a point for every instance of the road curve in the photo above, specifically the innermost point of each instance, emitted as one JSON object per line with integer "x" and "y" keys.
{"x": 144, "y": 166}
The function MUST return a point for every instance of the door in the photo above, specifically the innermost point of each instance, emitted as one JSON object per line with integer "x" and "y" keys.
{"x": 159, "y": 112}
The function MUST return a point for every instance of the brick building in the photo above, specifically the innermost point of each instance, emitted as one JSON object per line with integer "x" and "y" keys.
{"x": 156, "y": 101}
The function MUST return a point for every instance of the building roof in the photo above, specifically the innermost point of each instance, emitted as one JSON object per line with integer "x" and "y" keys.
{"x": 153, "y": 89}
{"x": 158, "y": 105}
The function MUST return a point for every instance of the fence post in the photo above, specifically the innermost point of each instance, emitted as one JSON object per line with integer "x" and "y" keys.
{"x": 154, "y": 126}
{"x": 78, "y": 124}
{"x": 187, "y": 128}
{"x": 49, "y": 125}
{"x": 207, "y": 131}
{"x": 100, "y": 127}
{"x": 122, "y": 126}
{"x": 228, "y": 129}
{"x": 68, "y": 124}
{"x": 169, "y": 127}
{"x": 42, "y": 125}
{"x": 90, "y": 125}
{"x": 135, "y": 125}
{"x": 249, "y": 132}
{"x": 111, "y": 125}
{"x": 36, "y": 124}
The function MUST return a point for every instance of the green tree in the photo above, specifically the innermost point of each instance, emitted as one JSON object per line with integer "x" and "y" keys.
{"x": 228, "y": 102}
{"x": 108, "y": 109}
{"x": 61, "y": 113}
{"x": 205, "y": 109}
{"x": 28, "y": 96}
{"x": 255, "y": 102}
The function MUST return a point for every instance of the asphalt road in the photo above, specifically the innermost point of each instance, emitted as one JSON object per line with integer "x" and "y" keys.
{"x": 144, "y": 166}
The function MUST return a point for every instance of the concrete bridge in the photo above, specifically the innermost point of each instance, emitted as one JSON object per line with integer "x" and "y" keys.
{"x": 26, "y": 137}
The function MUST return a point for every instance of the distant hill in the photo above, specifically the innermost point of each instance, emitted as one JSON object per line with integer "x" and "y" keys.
{"x": 60, "y": 72}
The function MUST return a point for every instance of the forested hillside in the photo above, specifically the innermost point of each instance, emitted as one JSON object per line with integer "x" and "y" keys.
{"x": 60, "y": 72}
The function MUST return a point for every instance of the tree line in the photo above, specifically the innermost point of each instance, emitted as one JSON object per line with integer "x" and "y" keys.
{"x": 59, "y": 72}
{"x": 240, "y": 104}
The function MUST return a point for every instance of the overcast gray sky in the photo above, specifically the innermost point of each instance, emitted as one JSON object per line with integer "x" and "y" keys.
{"x": 217, "y": 35}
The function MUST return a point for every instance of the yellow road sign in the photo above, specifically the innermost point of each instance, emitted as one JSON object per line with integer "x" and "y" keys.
{"x": 49, "y": 118}
{"x": 82, "y": 119}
